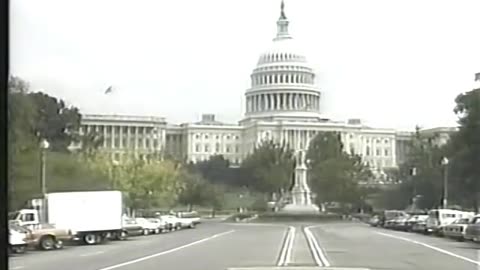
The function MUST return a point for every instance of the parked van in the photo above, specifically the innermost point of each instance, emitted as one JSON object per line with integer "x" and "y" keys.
{"x": 438, "y": 218}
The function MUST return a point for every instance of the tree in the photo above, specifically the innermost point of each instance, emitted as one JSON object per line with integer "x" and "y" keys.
{"x": 215, "y": 170}
{"x": 334, "y": 175}
{"x": 55, "y": 121}
{"x": 197, "y": 191}
{"x": 269, "y": 168}
{"x": 464, "y": 148}
{"x": 145, "y": 183}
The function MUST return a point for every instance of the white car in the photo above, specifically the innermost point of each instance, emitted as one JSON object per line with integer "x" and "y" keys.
{"x": 193, "y": 216}
{"x": 457, "y": 229}
{"x": 162, "y": 225}
{"x": 17, "y": 241}
{"x": 174, "y": 222}
{"x": 148, "y": 226}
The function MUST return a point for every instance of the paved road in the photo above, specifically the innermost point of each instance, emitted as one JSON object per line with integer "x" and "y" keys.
{"x": 219, "y": 246}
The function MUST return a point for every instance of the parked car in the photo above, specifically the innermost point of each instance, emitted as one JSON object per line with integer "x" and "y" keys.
{"x": 420, "y": 226}
{"x": 388, "y": 216}
{"x": 193, "y": 216}
{"x": 472, "y": 232}
{"x": 439, "y": 218}
{"x": 457, "y": 229}
{"x": 414, "y": 220}
{"x": 17, "y": 240}
{"x": 161, "y": 224}
{"x": 173, "y": 222}
{"x": 400, "y": 223}
{"x": 374, "y": 221}
{"x": 130, "y": 227}
{"x": 148, "y": 227}
{"x": 47, "y": 237}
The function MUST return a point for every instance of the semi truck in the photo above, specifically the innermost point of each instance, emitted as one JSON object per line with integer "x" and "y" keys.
{"x": 90, "y": 216}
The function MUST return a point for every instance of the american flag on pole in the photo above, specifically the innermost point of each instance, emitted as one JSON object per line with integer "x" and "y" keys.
{"x": 109, "y": 90}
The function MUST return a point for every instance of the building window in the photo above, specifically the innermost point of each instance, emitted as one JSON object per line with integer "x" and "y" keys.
{"x": 237, "y": 149}
{"x": 378, "y": 152}
{"x": 351, "y": 136}
{"x": 217, "y": 147}
{"x": 228, "y": 137}
{"x": 197, "y": 148}
{"x": 206, "y": 136}
{"x": 207, "y": 148}
{"x": 386, "y": 152}
{"x": 217, "y": 137}
{"x": 368, "y": 151}
{"x": 237, "y": 137}
{"x": 197, "y": 136}
{"x": 378, "y": 141}
{"x": 386, "y": 141}
{"x": 227, "y": 149}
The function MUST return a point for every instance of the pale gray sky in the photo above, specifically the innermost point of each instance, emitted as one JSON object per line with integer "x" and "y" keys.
{"x": 392, "y": 63}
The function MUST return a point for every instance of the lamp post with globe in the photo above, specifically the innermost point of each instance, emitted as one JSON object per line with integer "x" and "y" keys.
{"x": 44, "y": 145}
{"x": 444, "y": 162}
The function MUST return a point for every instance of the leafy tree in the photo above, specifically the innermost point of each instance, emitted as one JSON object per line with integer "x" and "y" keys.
{"x": 197, "y": 191}
{"x": 145, "y": 183}
{"x": 215, "y": 170}
{"x": 269, "y": 168}
{"x": 464, "y": 148}
{"x": 55, "y": 121}
{"x": 334, "y": 175}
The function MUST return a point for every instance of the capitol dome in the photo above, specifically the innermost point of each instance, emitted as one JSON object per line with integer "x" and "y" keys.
{"x": 283, "y": 83}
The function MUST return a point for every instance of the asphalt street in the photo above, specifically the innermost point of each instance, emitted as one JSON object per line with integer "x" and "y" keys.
{"x": 220, "y": 246}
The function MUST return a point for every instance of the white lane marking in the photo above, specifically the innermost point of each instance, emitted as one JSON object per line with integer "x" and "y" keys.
{"x": 166, "y": 252}
{"x": 286, "y": 250}
{"x": 312, "y": 247}
{"x": 288, "y": 256}
{"x": 431, "y": 247}
{"x": 92, "y": 253}
{"x": 316, "y": 249}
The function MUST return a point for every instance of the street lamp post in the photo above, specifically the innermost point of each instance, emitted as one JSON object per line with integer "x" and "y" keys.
{"x": 43, "y": 148}
{"x": 44, "y": 145}
{"x": 444, "y": 162}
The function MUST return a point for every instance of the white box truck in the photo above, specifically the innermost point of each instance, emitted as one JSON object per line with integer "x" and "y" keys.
{"x": 90, "y": 216}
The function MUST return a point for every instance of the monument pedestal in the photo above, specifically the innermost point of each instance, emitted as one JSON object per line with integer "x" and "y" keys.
{"x": 301, "y": 196}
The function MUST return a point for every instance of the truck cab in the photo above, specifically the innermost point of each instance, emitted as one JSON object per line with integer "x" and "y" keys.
{"x": 28, "y": 218}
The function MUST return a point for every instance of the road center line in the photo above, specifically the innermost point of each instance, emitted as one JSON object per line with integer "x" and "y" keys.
{"x": 312, "y": 247}
{"x": 430, "y": 247}
{"x": 286, "y": 250}
{"x": 167, "y": 251}
{"x": 321, "y": 260}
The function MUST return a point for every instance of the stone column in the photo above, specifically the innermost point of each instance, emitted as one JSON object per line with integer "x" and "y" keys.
{"x": 279, "y": 107}
{"x": 121, "y": 137}
{"x": 104, "y": 136}
{"x": 271, "y": 105}
{"x": 112, "y": 138}
{"x": 136, "y": 139}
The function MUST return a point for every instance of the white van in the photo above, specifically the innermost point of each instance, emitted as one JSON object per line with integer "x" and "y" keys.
{"x": 438, "y": 218}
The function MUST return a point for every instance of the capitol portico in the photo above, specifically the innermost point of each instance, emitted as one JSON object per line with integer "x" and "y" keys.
{"x": 283, "y": 104}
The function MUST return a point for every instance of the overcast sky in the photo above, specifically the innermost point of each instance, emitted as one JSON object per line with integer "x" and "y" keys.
{"x": 390, "y": 63}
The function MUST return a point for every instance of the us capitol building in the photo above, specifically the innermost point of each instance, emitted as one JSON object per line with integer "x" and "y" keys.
{"x": 282, "y": 104}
